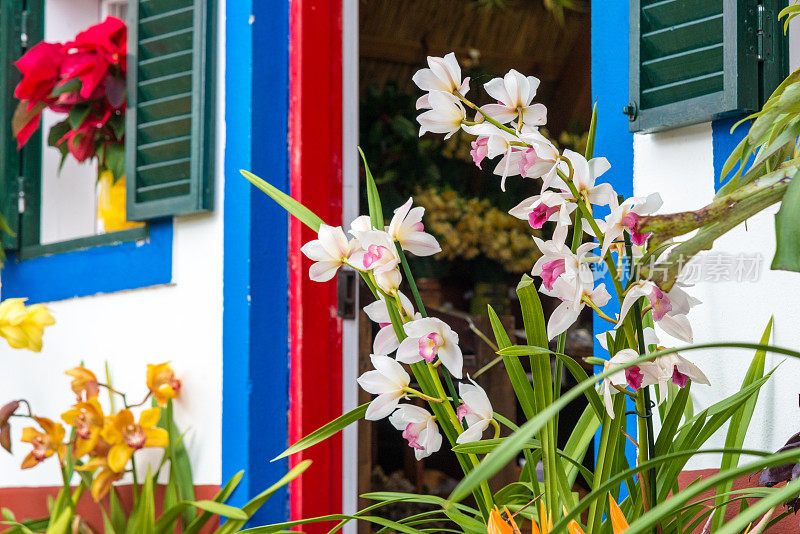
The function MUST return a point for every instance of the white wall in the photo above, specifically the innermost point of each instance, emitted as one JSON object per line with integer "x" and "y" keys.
{"x": 180, "y": 322}
{"x": 678, "y": 164}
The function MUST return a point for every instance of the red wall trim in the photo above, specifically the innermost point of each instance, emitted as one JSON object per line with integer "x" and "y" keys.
{"x": 315, "y": 137}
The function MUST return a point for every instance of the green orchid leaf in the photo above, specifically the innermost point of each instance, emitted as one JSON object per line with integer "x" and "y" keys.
{"x": 300, "y": 212}
{"x": 326, "y": 431}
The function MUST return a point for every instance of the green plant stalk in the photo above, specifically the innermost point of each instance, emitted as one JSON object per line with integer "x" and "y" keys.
{"x": 606, "y": 451}
{"x": 644, "y": 410}
{"x": 418, "y": 299}
{"x": 428, "y": 379}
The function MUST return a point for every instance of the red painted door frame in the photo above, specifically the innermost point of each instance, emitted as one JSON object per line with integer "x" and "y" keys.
{"x": 315, "y": 137}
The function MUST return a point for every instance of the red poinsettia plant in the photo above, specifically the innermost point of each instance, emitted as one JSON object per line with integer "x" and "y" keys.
{"x": 84, "y": 79}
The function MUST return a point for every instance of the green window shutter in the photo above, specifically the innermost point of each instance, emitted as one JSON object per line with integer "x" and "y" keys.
{"x": 697, "y": 60}
{"x": 21, "y": 27}
{"x": 169, "y": 129}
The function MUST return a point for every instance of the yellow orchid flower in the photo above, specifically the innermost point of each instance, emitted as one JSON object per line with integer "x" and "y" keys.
{"x": 45, "y": 444}
{"x": 618, "y": 522}
{"x": 23, "y": 326}
{"x": 126, "y": 437}
{"x": 83, "y": 381}
{"x": 162, "y": 382}
{"x": 87, "y": 419}
{"x": 111, "y": 204}
{"x": 101, "y": 484}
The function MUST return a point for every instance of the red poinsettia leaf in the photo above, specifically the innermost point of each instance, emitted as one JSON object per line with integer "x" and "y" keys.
{"x": 40, "y": 67}
{"x": 25, "y": 121}
{"x": 5, "y": 436}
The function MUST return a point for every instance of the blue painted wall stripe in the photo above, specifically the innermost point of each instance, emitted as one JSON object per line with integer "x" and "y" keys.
{"x": 723, "y": 143}
{"x": 102, "y": 269}
{"x": 610, "y": 23}
{"x": 255, "y": 288}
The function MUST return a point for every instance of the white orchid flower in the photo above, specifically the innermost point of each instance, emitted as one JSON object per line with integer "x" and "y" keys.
{"x": 669, "y": 308}
{"x": 623, "y": 217}
{"x": 573, "y": 293}
{"x": 386, "y": 340}
{"x": 429, "y": 338}
{"x": 406, "y": 227}
{"x": 379, "y": 255}
{"x": 514, "y": 93}
{"x": 537, "y": 161}
{"x": 476, "y": 409}
{"x": 419, "y": 429}
{"x": 445, "y": 116}
{"x": 443, "y": 74}
{"x": 678, "y": 370}
{"x": 584, "y": 175}
{"x": 549, "y": 206}
{"x": 329, "y": 251}
{"x": 360, "y": 224}
{"x": 644, "y": 374}
{"x": 557, "y": 259}
{"x": 388, "y": 381}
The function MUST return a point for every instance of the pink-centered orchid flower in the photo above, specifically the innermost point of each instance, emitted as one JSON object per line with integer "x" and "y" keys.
{"x": 476, "y": 409}
{"x": 428, "y": 339}
{"x": 669, "y": 308}
{"x": 492, "y": 142}
{"x": 537, "y": 161}
{"x": 678, "y": 370}
{"x": 480, "y": 149}
{"x": 585, "y": 173}
{"x": 329, "y": 252}
{"x": 573, "y": 293}
{"x": 406, "y": 227}
{"x": 644, "y": 374}
{"x": 379, "y": 255}
{"x": 443, "y": 74}
{"x": 557, "y": 259}
{"x": 445, "y": 115}
{"x": 514, "y": 93}
{"x": 388, "y": 381}
{"x": 419, "y": 429}
{"x": 386, "y": 340}
{"x": 549, "y": 206}
{"x": 623, "y": 217}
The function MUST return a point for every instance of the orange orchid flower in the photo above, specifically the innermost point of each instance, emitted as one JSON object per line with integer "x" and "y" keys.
{"x": 45, "y": 444}
{"x": 162, "y": 382}
{"x": 126, "y": 436}
{"x": 498, "y": 525}
{"x": 87, "y": 419}
{"x": 83, "y": 381}
{"x": 101, "y": 484}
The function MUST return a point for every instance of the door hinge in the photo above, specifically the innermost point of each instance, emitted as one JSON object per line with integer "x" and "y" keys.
{"x": 760, "y": 31}
{"x": 346, "y": 288}
{"x": 23, "y": 29}
{"x": 20, "y": 195}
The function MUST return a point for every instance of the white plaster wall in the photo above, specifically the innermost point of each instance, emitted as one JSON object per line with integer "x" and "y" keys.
{"x": 180, "y": 322}
{"x": 678, "y": 164}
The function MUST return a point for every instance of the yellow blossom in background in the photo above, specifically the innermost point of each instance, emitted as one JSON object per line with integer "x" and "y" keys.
{"x": 22, "y": 325}
{"x": 470, "y": 227}
{"x": 126, "y": 437}
{"x": 162, "y": 383}
{"x": 83, "y": 381}
{"x": 104, "y": 479}
{"x": 45, "y": 444}
{"x": 111, "y": 203}
{"x": 87, "y": 419}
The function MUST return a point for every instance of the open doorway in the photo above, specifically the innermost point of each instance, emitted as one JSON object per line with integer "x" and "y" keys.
{"x": 485, "y": 250}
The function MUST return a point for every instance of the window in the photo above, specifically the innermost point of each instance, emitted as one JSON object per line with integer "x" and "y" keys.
{"x": 693, "y": 61}
{"x": 170, "y": 107}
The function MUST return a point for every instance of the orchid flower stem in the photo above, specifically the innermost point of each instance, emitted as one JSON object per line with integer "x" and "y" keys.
{"x": 421, "y": 395}
{"x": 599, "y": 312}
{"x": 486, "y": 117}
{"x": 647, "y": 421}
{"x": 418, "y": 299}
{"x": 496, "y": 426}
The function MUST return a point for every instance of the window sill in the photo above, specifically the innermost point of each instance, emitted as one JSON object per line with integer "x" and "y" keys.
{"x": 83, "y": 243}
{"x": 132, "y": 259}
